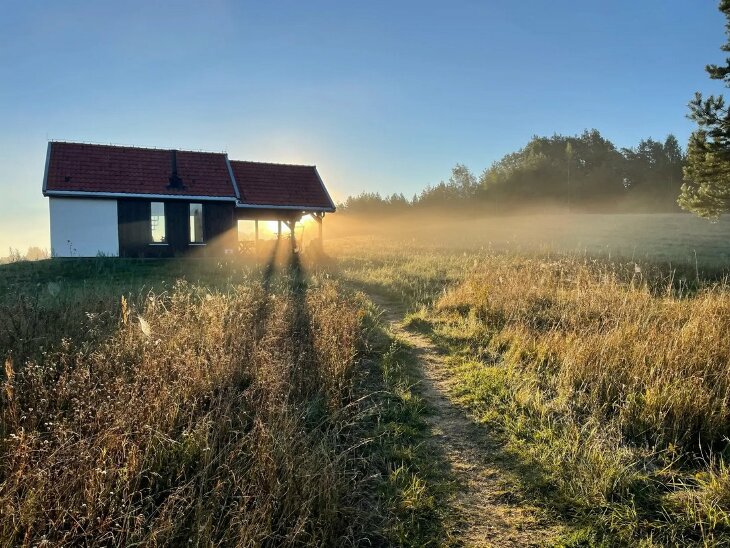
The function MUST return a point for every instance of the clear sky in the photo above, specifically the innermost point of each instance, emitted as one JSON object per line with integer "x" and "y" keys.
{"x": 381, "y": 96}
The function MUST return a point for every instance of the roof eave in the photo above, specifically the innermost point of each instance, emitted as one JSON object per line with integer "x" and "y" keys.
{"x": 90, "y": 194}
{"x": 233, "y": 178}
{"x": 48, "y": 162}
{"x": 241, "y": 205}
{"x": 321, "y": 182}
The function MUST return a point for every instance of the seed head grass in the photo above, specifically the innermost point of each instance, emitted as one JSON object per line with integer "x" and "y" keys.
{"x": 607, "y": 380}
{"x": 213, "y": 413}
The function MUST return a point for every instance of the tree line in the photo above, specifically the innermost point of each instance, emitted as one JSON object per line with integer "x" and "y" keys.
{"x": 588, "y": 173}
{"x": 585, "y": 172}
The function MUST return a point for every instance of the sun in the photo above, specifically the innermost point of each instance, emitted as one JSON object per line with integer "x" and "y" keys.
{"x": 273, "y": 226}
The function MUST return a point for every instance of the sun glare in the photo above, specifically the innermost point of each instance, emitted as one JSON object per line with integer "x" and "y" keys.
{"x": 273, "y": 226}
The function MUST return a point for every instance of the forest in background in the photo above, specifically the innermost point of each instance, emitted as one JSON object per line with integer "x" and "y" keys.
{"x": 583, "y": 173}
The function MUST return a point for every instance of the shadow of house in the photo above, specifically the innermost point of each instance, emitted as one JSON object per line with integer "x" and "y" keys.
{"x": 306, "y": 370}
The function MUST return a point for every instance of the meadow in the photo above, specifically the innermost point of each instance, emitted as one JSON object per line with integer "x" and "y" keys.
{"x": 604, "y": 376}
{"x": 665, "y": 238}
{"x": 175, "y": 402}
{"x": 265, "y": 402}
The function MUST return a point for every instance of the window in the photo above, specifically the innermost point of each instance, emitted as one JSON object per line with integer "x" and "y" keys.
{"x": 196, "y": 223}
{"x": 157, "y": 223}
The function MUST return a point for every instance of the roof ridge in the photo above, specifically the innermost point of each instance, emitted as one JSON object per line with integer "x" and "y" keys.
{"x": 274, "y": 163}
{"x": 136, "y": 147}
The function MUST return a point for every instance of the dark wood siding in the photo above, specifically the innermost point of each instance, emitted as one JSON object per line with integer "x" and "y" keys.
{"x": 176, "y": 214}
{"x": 219, "y": 229}
{"x": 134, "y": 227}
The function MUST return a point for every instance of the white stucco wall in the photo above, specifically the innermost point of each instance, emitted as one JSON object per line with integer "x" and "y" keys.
{"x": 84, "y": 227}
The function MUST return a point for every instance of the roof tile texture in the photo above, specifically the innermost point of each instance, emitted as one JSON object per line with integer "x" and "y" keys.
{"x": 280, "y": 184}
{"x": 132, "y": 170}
{"x": 106, "y": 168}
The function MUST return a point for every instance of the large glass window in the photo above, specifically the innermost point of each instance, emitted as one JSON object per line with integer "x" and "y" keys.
{"x": 196, "y": 223}
{"x": 157, "y": 222}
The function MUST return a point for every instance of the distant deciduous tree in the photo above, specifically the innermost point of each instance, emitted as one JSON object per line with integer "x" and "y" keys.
{"x": 461, "y": 188}
{"x": 707, "y": 173}
{"x": 653, "y": 172}
{"x": 373, "y": 202}
{"x": 36, "y": 254}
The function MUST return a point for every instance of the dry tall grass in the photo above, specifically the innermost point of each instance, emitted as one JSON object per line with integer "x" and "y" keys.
{"x": 657, "y": 364}
{"x": 617, "y": 392}
{"x": 206, "y": 416}
{"x": 608, "y": 382}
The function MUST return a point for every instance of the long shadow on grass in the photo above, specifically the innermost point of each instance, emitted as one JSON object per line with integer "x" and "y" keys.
{"x": 306, "y": 374}
{"x": 262, "y": 312}
{"x": 405, "y": 478}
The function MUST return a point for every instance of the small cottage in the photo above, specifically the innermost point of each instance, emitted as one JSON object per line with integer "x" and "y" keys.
{"x": 145, "y": 202}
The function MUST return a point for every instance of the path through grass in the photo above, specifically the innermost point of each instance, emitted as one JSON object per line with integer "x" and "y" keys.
{"x": 485, "y": 506}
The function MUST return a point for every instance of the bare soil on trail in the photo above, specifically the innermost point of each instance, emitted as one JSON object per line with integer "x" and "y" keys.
{"x": 487, "y": 506}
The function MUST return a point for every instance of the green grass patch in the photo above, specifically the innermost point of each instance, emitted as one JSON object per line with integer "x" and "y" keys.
{"x": 412, "y": 480}
{"x": 580, "y": 467}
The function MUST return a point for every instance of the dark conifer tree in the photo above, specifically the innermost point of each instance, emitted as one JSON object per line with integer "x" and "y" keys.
{"x": 707, "y": 173}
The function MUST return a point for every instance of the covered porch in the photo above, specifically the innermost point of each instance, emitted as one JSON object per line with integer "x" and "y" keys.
{"x": 258, "y": 227}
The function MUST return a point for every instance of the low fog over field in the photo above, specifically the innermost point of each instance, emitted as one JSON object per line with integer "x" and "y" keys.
{"x": 673, "y": 237}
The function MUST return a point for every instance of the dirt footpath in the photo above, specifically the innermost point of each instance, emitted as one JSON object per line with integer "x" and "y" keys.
{"x": 488, "y": 512}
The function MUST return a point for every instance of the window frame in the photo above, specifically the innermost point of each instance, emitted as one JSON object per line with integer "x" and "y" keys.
{"x": 191, "y": 229}
{"x": 164, "y": 218}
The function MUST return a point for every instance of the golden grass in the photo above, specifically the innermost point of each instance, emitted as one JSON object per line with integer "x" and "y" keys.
{"x": 225, "y": 411}
{"x": 656, "y": 364}
{"x": 205, "y": 415}
{"x": 609, "y": 382}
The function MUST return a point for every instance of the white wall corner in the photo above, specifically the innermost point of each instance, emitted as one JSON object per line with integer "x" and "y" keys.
{"x": 82, "y": 227}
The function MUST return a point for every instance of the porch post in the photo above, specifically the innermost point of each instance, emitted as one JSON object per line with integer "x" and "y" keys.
{"x": 318, "y": 217}
{"x": 256, "y": 235}
{"x": 278, "y": 232}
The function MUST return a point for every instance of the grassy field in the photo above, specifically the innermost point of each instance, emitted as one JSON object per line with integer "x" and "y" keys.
{"x": 248, "y": 403}
{"x": 167, "y": 402}
{"x": 676, "y": 238}
{"x": 606, "y": 380}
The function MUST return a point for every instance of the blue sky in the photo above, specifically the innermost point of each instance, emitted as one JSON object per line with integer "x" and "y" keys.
{"x": 381, "y": 96}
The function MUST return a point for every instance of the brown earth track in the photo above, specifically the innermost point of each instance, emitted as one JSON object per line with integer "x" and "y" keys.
{"x": 487, "y": 506}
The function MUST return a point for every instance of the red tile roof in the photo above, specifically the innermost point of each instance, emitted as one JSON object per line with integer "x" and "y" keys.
{"x": 280, "y": 185}
{"x": 132, "y": 170}
{"x": 77, "y": 167}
